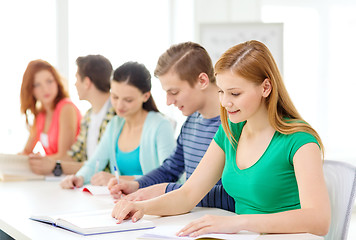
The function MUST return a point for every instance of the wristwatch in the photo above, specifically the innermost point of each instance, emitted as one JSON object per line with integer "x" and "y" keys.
{"x": 57, "y": 171}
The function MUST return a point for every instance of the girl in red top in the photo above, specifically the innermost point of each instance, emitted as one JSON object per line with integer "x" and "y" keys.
{"x": 56, "y": 119}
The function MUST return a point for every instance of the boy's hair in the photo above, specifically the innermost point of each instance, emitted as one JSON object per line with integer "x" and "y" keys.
{"x": 97, "y": 68}
{"x": 188, "y": 60}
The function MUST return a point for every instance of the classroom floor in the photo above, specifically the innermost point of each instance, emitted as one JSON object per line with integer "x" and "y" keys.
{"x": 352, "y": 227}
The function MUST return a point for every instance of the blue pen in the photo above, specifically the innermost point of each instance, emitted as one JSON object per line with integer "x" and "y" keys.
{"x": 116, "y": 174}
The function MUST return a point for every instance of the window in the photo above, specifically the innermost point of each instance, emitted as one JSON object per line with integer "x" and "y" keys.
{"x": 318, "y": 67}
{"x": 119, "y": 30}
{"x": 27, "y": 32}
{"x": 136, "y": 30}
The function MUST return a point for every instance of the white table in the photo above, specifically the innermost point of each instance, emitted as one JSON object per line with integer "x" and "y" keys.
{"x": 18, "y": 200}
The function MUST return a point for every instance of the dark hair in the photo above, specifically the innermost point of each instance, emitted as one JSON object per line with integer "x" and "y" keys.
{"x": 97, "y": 68}
{"x": 137, "y": 75}
{"x": 188, "y": 60}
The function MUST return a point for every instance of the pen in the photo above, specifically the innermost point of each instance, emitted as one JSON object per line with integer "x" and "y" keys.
{"x": 116, "y": 174}
{"x": 96, "y": 166}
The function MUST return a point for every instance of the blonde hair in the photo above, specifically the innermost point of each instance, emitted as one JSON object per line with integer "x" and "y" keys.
{"x": 254, "y": 62}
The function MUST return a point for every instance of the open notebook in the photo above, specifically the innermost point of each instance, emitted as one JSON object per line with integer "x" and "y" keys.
{"x": 15, "y": 167}
{"x": 92, "y": 222}
{"x": 169, "y": 232}
{"x": 95, "y": 190}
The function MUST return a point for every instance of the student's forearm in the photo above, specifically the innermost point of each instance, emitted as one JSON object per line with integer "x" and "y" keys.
{"x": 30, "y": 144}
{"x": 156, "y": 176}
{"x": 172, "y": 203}
{"x": 294, "y": 221}
{"x": 217, "y": 197}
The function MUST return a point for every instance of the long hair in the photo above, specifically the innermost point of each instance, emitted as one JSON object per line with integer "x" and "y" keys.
{"x": 137, "y": 75}
{"x": 254, "y": 62}
{"x": 187, "y": 60}
{"x": 28, "y": 101}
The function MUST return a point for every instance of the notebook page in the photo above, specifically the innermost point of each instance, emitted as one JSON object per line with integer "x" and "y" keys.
{"x": 169, "y": 232}
{"x": 97, "y": 219}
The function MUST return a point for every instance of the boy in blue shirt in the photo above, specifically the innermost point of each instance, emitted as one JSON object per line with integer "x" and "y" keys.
{"x": 186, "y": 74}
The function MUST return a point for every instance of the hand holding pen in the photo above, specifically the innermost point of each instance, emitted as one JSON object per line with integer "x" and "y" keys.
{"x": 118, "y": 187}
{"x": 116, "y": 175}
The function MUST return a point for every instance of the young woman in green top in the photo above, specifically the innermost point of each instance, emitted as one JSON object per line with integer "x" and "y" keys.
{"x": 269, "y": 158}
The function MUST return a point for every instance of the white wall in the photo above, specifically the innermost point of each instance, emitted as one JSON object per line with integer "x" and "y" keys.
{"x": 318, "y": 57}
{"x": 318, "y": 51}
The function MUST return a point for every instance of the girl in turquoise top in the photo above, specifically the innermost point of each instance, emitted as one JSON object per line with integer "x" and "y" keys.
{"x": 135, "y": 141}
{"x": 269, "y": 158}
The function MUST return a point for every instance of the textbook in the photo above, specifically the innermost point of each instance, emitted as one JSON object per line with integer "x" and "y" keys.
{"x": 92, "y": 222}
{"x": 169, "y": 232}
{"x": 15, "y": 167}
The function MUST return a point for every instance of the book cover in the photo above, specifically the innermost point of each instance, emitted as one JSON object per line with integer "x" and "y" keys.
{"x": 92, "y": 222}
{"x": 15, "y": 167}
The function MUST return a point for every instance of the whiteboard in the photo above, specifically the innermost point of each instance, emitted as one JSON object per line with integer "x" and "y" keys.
{"x": 216, "y": 38}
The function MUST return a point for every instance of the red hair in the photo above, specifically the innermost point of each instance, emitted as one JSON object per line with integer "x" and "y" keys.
{"x": 27, "y": 99}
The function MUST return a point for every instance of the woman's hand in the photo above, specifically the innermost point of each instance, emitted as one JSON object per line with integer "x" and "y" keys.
{"x": 123, "y": 188}
{"x": 126, "y": 209}
{"x": 101, "y": 178}
{"x": 147, "y": 192}
{"x": 211, "y": 224}
{"x": 41, "y": 164}
{"x": 72, "y": 181}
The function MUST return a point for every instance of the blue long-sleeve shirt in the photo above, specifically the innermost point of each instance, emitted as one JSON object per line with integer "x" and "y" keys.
{"x": 192, "y": 143}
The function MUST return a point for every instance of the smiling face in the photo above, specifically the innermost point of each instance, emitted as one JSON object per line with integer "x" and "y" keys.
{"x": 185, "y": 97}
{"x": 127, "y": 99}
{"x": 45, "y": 87}
{"x": 241, "y": 98}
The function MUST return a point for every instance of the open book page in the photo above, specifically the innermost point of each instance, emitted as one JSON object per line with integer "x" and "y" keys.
{"x": 95, "y": 190}
{"x": 93, "y": 222}
{"x": 15, "y": 167}
{"x": 169, "y": 232}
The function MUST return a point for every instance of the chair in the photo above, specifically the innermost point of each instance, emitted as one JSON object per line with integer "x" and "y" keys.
{"x": 340, "y": 179}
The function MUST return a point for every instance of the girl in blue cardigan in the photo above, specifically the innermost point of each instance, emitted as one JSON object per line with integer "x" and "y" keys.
{"x": 135, "y": 141}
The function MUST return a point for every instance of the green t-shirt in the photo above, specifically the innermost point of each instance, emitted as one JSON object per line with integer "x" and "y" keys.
{"x": 268, "y": 186}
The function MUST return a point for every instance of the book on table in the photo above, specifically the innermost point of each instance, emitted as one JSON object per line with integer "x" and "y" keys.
{"x": 15, "y": 167}
{"x": 170, "y": 231}
{"x": 92, "y": 222}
